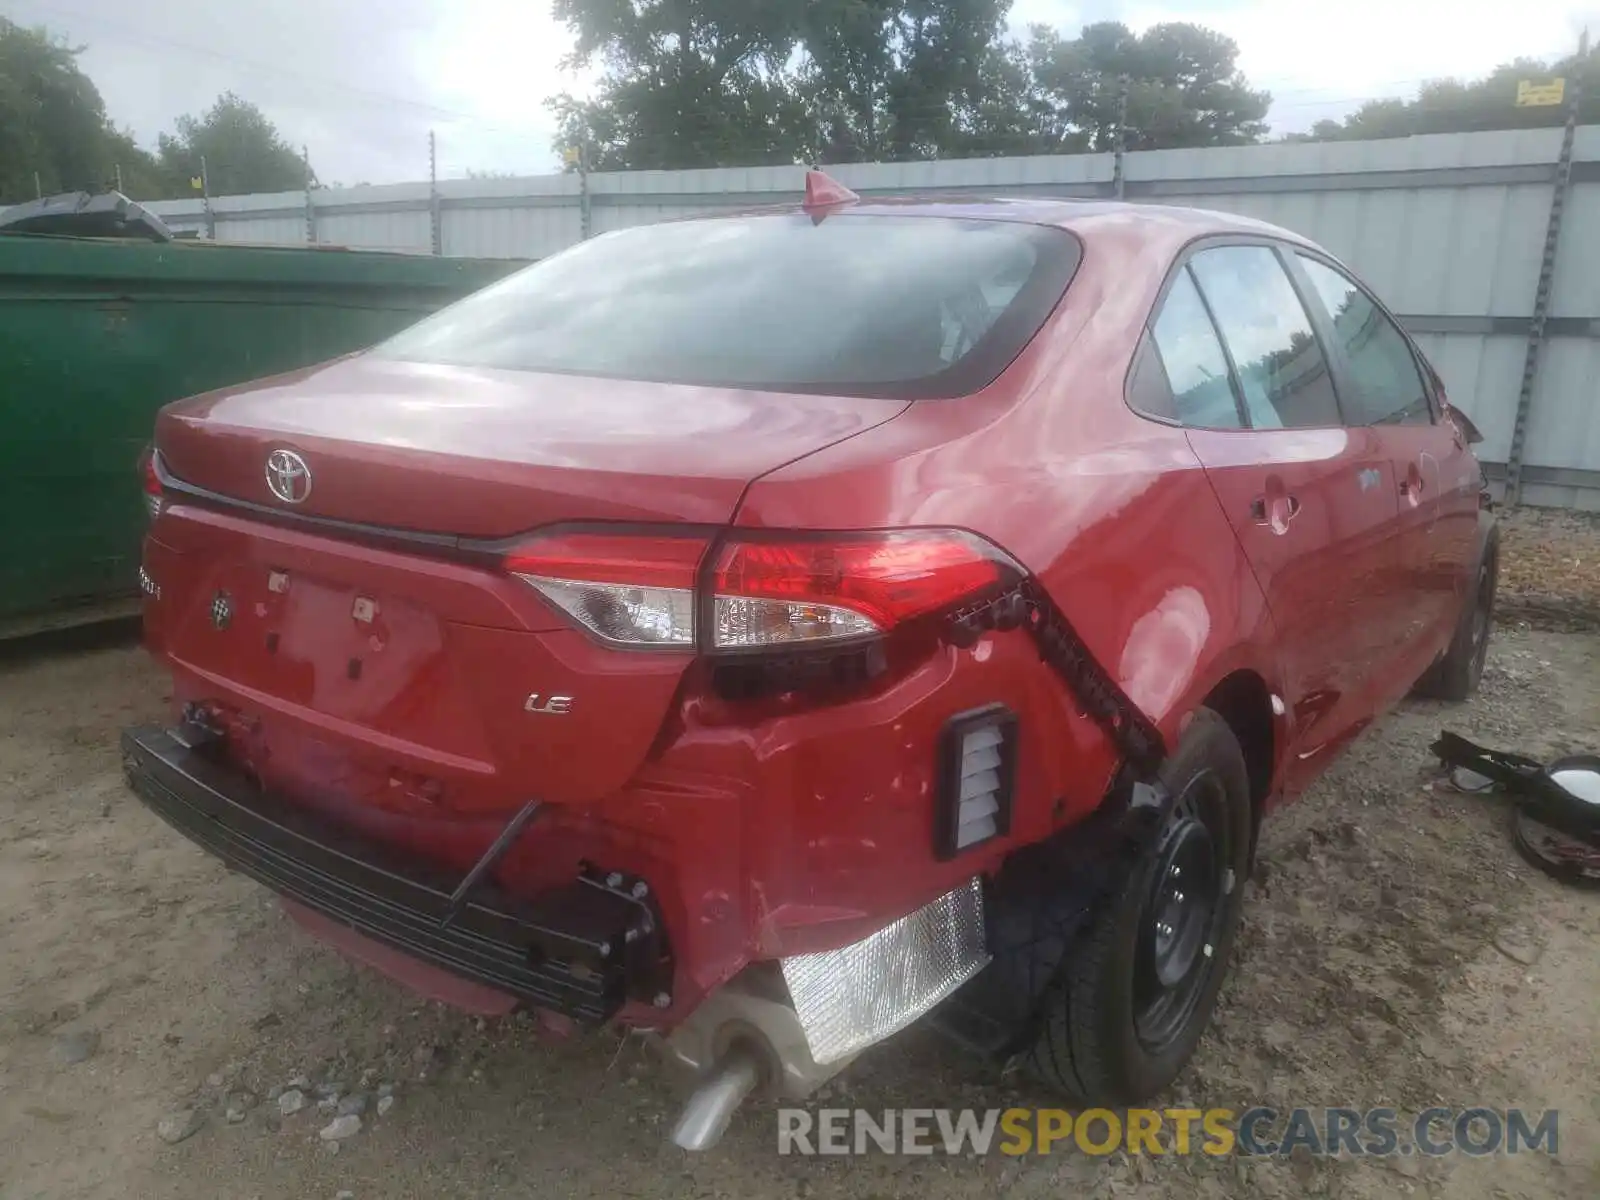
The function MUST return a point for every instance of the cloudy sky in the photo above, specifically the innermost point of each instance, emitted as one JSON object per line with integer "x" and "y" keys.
{"x": 360, "y": 82}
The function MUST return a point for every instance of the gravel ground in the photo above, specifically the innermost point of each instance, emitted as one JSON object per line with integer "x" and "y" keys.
{"x": 164, "y": 1031}
{"x": 1550, "y": 566}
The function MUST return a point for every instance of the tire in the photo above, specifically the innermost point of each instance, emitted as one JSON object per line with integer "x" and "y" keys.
{"x": 1093, "y": 1042}
{"x": 1455, "y": 677}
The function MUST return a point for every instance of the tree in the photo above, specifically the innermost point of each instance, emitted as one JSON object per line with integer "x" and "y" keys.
{"x": 53, "y": 123}
{"x": 140, "y": 172}
{"x": 242, "y": 149}
{"x": 907, "y": 79}
{"x": 1451, "y": 106}
{"x": 1010, "y": 114}
{"x": 688, "y": 83}
{"x": 1183, "y": 84}
{"x": 724, "y": 82}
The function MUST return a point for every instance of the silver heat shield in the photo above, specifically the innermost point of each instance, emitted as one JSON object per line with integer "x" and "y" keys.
{"x": 847, "y": 999}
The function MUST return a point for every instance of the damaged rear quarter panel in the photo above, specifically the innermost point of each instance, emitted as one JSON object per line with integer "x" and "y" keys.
{"x": 1112, "y": 513}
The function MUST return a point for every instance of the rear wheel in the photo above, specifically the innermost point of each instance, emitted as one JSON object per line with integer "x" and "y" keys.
{"x": 1136, "y": 991}
{"x": 1456, "y": 675}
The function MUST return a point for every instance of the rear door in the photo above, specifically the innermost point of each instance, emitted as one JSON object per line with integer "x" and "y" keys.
{"x": 1386, "y": 391}
{"x": 1312, "y": 503}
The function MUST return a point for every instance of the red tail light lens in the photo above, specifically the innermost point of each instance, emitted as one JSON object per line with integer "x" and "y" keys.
{"x": 151, "y": 482}
{"x": 651, "y": 561}
{"x": 768, "y": 591}
{"x": 805, "y": 589}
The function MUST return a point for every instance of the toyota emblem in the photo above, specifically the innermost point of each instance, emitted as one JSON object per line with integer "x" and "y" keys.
{"x": 288, "y": 476}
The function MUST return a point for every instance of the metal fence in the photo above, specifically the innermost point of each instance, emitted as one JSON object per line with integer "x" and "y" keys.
{"x": 1452, "y": 230}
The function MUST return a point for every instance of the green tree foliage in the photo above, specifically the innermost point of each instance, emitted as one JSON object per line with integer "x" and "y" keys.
{"x": 1183, "y": 86}
{"x": 717, "y": 83}
{"x": 1451, "y": 106}
{"x": 688, "y": 83}
{"x": 140, "y": 172}
{"x": 243, "y": 151}
{"x": 906, "y": 79}
{"x": 53, "y": 123}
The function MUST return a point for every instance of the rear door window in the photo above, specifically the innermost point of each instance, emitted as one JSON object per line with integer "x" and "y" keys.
{"x": 1388, "y": 387}
{"x": 1196, "y": 368}
{"x": 1282, "y": 373}
{"x": 901, "y": 307}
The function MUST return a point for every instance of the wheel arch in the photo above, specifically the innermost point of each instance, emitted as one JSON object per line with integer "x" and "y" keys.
{"x": 1244, "y": 701}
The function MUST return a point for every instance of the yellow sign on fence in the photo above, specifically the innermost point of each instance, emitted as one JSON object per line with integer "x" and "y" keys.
{"x": 1536, "y": 95}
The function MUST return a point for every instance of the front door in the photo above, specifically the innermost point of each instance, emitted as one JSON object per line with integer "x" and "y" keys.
{"x": 1435, "y": 479}
{"x": 1314, "y": 504}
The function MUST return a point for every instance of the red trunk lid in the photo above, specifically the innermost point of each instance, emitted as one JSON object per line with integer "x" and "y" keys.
{"x": 489, "y": 453}
{"x": 400, "y": 679}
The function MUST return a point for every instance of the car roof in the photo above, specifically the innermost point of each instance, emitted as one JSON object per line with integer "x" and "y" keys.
{"x": 1168, "y": 224}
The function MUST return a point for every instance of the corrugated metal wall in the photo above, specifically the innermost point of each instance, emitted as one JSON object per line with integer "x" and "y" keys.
{"x": 1449, "y": 229}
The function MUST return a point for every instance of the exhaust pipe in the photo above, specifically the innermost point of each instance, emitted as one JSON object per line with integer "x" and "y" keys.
{"x": 705, "y": 1117}
{"x": 739, "y": 1039}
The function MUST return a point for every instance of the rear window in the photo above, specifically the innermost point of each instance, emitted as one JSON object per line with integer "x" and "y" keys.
{"x": 903, "y": 307}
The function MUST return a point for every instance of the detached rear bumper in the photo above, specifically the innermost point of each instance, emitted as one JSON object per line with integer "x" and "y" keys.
{"x": 583, "y": 950}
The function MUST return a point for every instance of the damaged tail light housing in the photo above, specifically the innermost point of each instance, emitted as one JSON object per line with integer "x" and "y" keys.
{"x": 150, "y": 482}
{"x": 763, "y": 591}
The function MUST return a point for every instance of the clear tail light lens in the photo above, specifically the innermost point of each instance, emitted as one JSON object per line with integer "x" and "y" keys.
{"x": 746, "y": 622}
{"x": 627, "y": 590}
{"x": 150, "y": 481}
{"x": 773, "y": 591}
{"x": 622, "y": 614}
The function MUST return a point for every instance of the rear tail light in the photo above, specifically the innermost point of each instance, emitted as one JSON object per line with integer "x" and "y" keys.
{"x": 786, "y": 591}
{"x": 977, "y": 763}
{"x": 150, "y": 480}
{"x": 627, "y": 590}
{"x": 805, "y": 589}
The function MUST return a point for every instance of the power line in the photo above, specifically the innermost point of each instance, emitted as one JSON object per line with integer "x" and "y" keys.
{"x": 141, "y": 36}
{"x": 709, "y": 119}
{"x": 137, "y": 36}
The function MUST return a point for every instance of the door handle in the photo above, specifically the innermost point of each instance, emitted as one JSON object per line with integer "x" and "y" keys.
{"x": 1411, "y": 483}
{"x": 1276, "y": 513}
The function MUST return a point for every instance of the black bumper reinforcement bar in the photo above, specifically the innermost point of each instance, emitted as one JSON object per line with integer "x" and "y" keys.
{"x": 582, "y": 949}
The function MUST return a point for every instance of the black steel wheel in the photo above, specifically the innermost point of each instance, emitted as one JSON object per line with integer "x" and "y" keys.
{"x": 1182, "y": 919}
{"x": 1483, "y": 615}
{"x": 1137, "y": 988}
{"x": 1456, "y": 675}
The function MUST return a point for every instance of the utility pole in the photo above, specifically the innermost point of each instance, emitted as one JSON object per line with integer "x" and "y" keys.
{"x": 1547, "y": 269}
{"x": 577, "y": 157}
{"x": 1117, "y": 186}
{"x": 38, "y": 188}
{"x": 435, "y": 223}
{"x": 117, "y": 167}
{"x": 585, "y": 201}
{"x": 311, "y": 204}
{"x": 205, "y": 197}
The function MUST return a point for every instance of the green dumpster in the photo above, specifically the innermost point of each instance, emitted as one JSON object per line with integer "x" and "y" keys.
{"x": 97, "y": 333}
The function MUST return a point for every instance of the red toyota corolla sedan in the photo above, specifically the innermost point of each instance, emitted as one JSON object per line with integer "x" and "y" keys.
{"x": 766, "y": 630}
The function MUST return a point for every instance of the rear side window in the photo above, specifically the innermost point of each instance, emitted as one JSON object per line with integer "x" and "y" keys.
{"x": 1388, "y": 387}
{"x": 902, "y": 307}
{"x": 1282, "y": 373}
{"x": 1148, "y": 389}
{"x": 1196, "y": 368}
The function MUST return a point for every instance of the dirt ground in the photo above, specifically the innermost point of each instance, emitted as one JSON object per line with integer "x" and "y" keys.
{"x": 1375, "y": 968}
